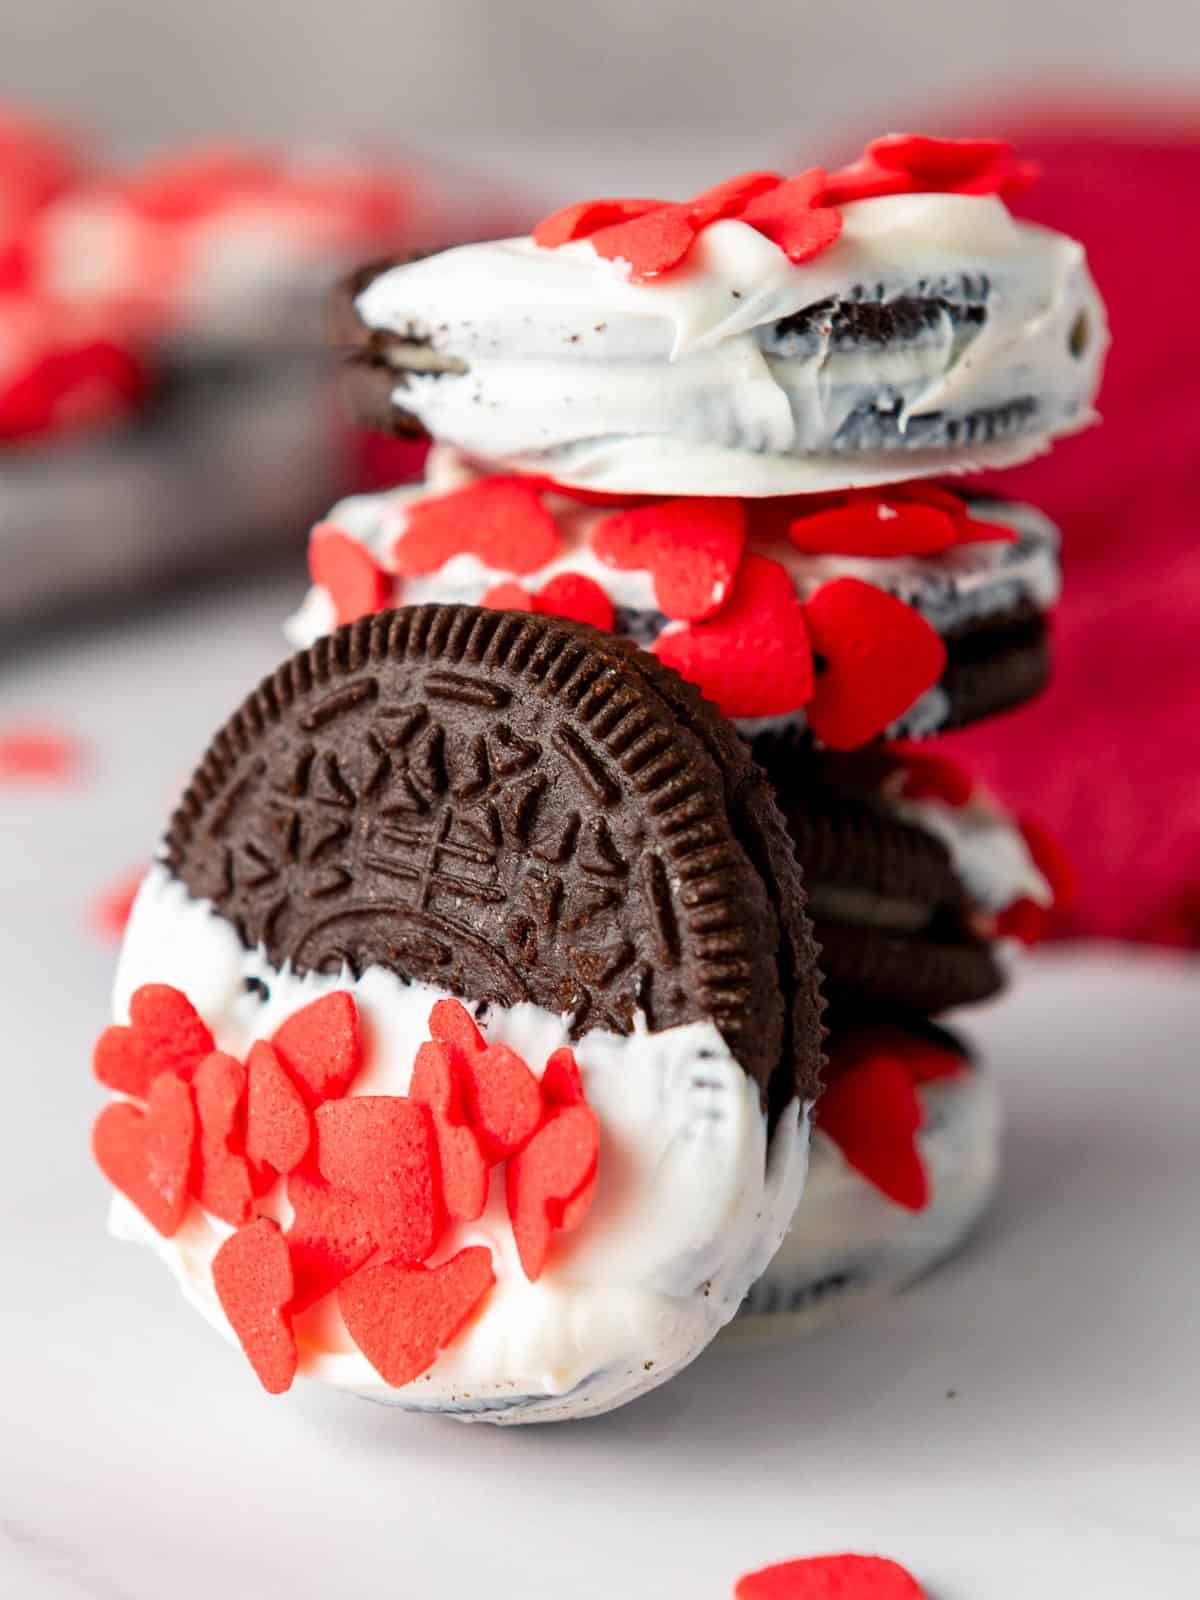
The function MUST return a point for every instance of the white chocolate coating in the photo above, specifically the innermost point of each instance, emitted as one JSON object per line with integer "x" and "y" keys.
{"x": 957, "y": 587}
{"x": 850, "y": 1247}
{"x": 687, "y": 385}
{"x": 691, "y": 1199}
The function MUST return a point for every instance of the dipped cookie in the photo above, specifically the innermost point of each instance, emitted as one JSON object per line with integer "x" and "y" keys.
{"x": 770, "y": 336}
{"x": 467, "y": 1025}
{"x": 901, "y": 611}
{"x": 919, "y": 882}
{"x": 905, "y": 1158}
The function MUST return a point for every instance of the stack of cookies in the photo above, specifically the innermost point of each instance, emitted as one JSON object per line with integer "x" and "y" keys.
{"x": 591, "y": 833}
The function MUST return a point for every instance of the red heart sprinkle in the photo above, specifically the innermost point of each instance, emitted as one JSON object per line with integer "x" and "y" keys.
{"x": 874, "y": 525}
{"x": 753, "y": 659}
{"x": 691, "y": 547}
{"x": 252, "y": 1274}
{"x": 872, "y": 1113}
{"x": 545, "y": 1177}
{"x": 585, "y": 217}
{"x": 652, "y": 244}
{"x": 347, "y": 569}
{"x": 1025, "y": 919}
{"x": 278, "y": 1129}
{"x": 904, "y": 163}
{"x": 463, "y": 1169}
{"x": 148, "y": 1154}
{"x": 452, "y": 1025}
{"x": 509, "y": 596}
{"x": 499, "y": 520}
{"x": 578, "y": 598}
{"x": 164, "y": 1035}
{"x": 570, "y": 595}
{"x": 929, "y": 776}
{"x": 39, "y": 753}
{"x": 845, "y": 1577}
{"x": 381, "y": 1149}
{"x": 329, "y": 1237}
{"x": 504, "y": 1102}
{"x": 223, "y": 1176}
{"x": 730, "y": 198}
{"x": 561, "y": 1083}
{"x": 402, "y": 1318}
{"x": 796, "y": 216}
{"x": 320, "y": 1046}
{"x": 924, "y": 1060}
{"x": 879, "y": 657}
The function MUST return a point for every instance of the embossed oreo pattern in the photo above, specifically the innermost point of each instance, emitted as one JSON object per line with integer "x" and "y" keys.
{"x": 505, "y": 805}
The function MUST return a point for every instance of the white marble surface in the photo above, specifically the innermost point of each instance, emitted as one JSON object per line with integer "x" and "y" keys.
{"x": 1026, "y": 1423}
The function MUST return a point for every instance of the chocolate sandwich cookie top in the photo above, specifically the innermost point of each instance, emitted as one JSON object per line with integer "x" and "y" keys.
{"x": 515, "y": 809}
{"x": 766, "y": 337}
{"x": 917, "y": 877}
{"x": 900, "y": 610}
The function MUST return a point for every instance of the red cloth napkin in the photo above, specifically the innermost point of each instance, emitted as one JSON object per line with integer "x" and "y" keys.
{"x": 1109, "y": 758}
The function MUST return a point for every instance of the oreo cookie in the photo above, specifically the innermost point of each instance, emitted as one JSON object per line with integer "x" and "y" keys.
{"x": 520, "y": 811}
{"x": 973, "y": 578}
{"x": 884, "y": 1207}
{"x": 915, "y": 333}
{"x": 473, "y": 988}
{"x": 913, "y": 881}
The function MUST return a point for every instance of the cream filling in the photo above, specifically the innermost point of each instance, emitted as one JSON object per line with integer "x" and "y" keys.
{"x": 987, "y": 850}
{"x": 690, "y": 1203}
{"x": 678, "y": 386}
{"x": 849, "y": 1244}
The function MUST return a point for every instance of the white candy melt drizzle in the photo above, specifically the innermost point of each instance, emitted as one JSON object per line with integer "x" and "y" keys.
{"x": 987, "y": 849}
{"x": 850, "y": 1244}
{"x": 671, "y": 387}
{"x": 690, "y": 1201}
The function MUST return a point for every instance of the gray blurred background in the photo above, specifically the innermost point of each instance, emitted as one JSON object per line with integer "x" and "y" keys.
{"x": 467, "y": 77}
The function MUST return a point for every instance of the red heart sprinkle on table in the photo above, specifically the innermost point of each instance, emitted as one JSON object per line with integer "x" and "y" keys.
{"x": 504, "y": 1102}
{"x": 40, "y": 754}
{"x": 878, "y": 656}
{"x": 346, "y": 568}
{"x": 753, "y": 659}
{"x": 148, "y": 1154}
{"x": 841, "y": 1577}
{"x": 691, "y": 547}
{"x": 380, "y": 1149}
{"x": 278, "y": 1128}
{"x": 546, "y": 1176}
{"x": 403, "y": 1317}
{"x": 872, "y": 1113}
{"x": 320, "y": 1046}
{"x": 464, "y": 1171}
{"x": 223, "y": 1173}
{"x": 252, "y": 1274}
{"x": 501, "y": 521}
{"x": 329, "y": 1237}
{"x": 164, "y": 1035}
